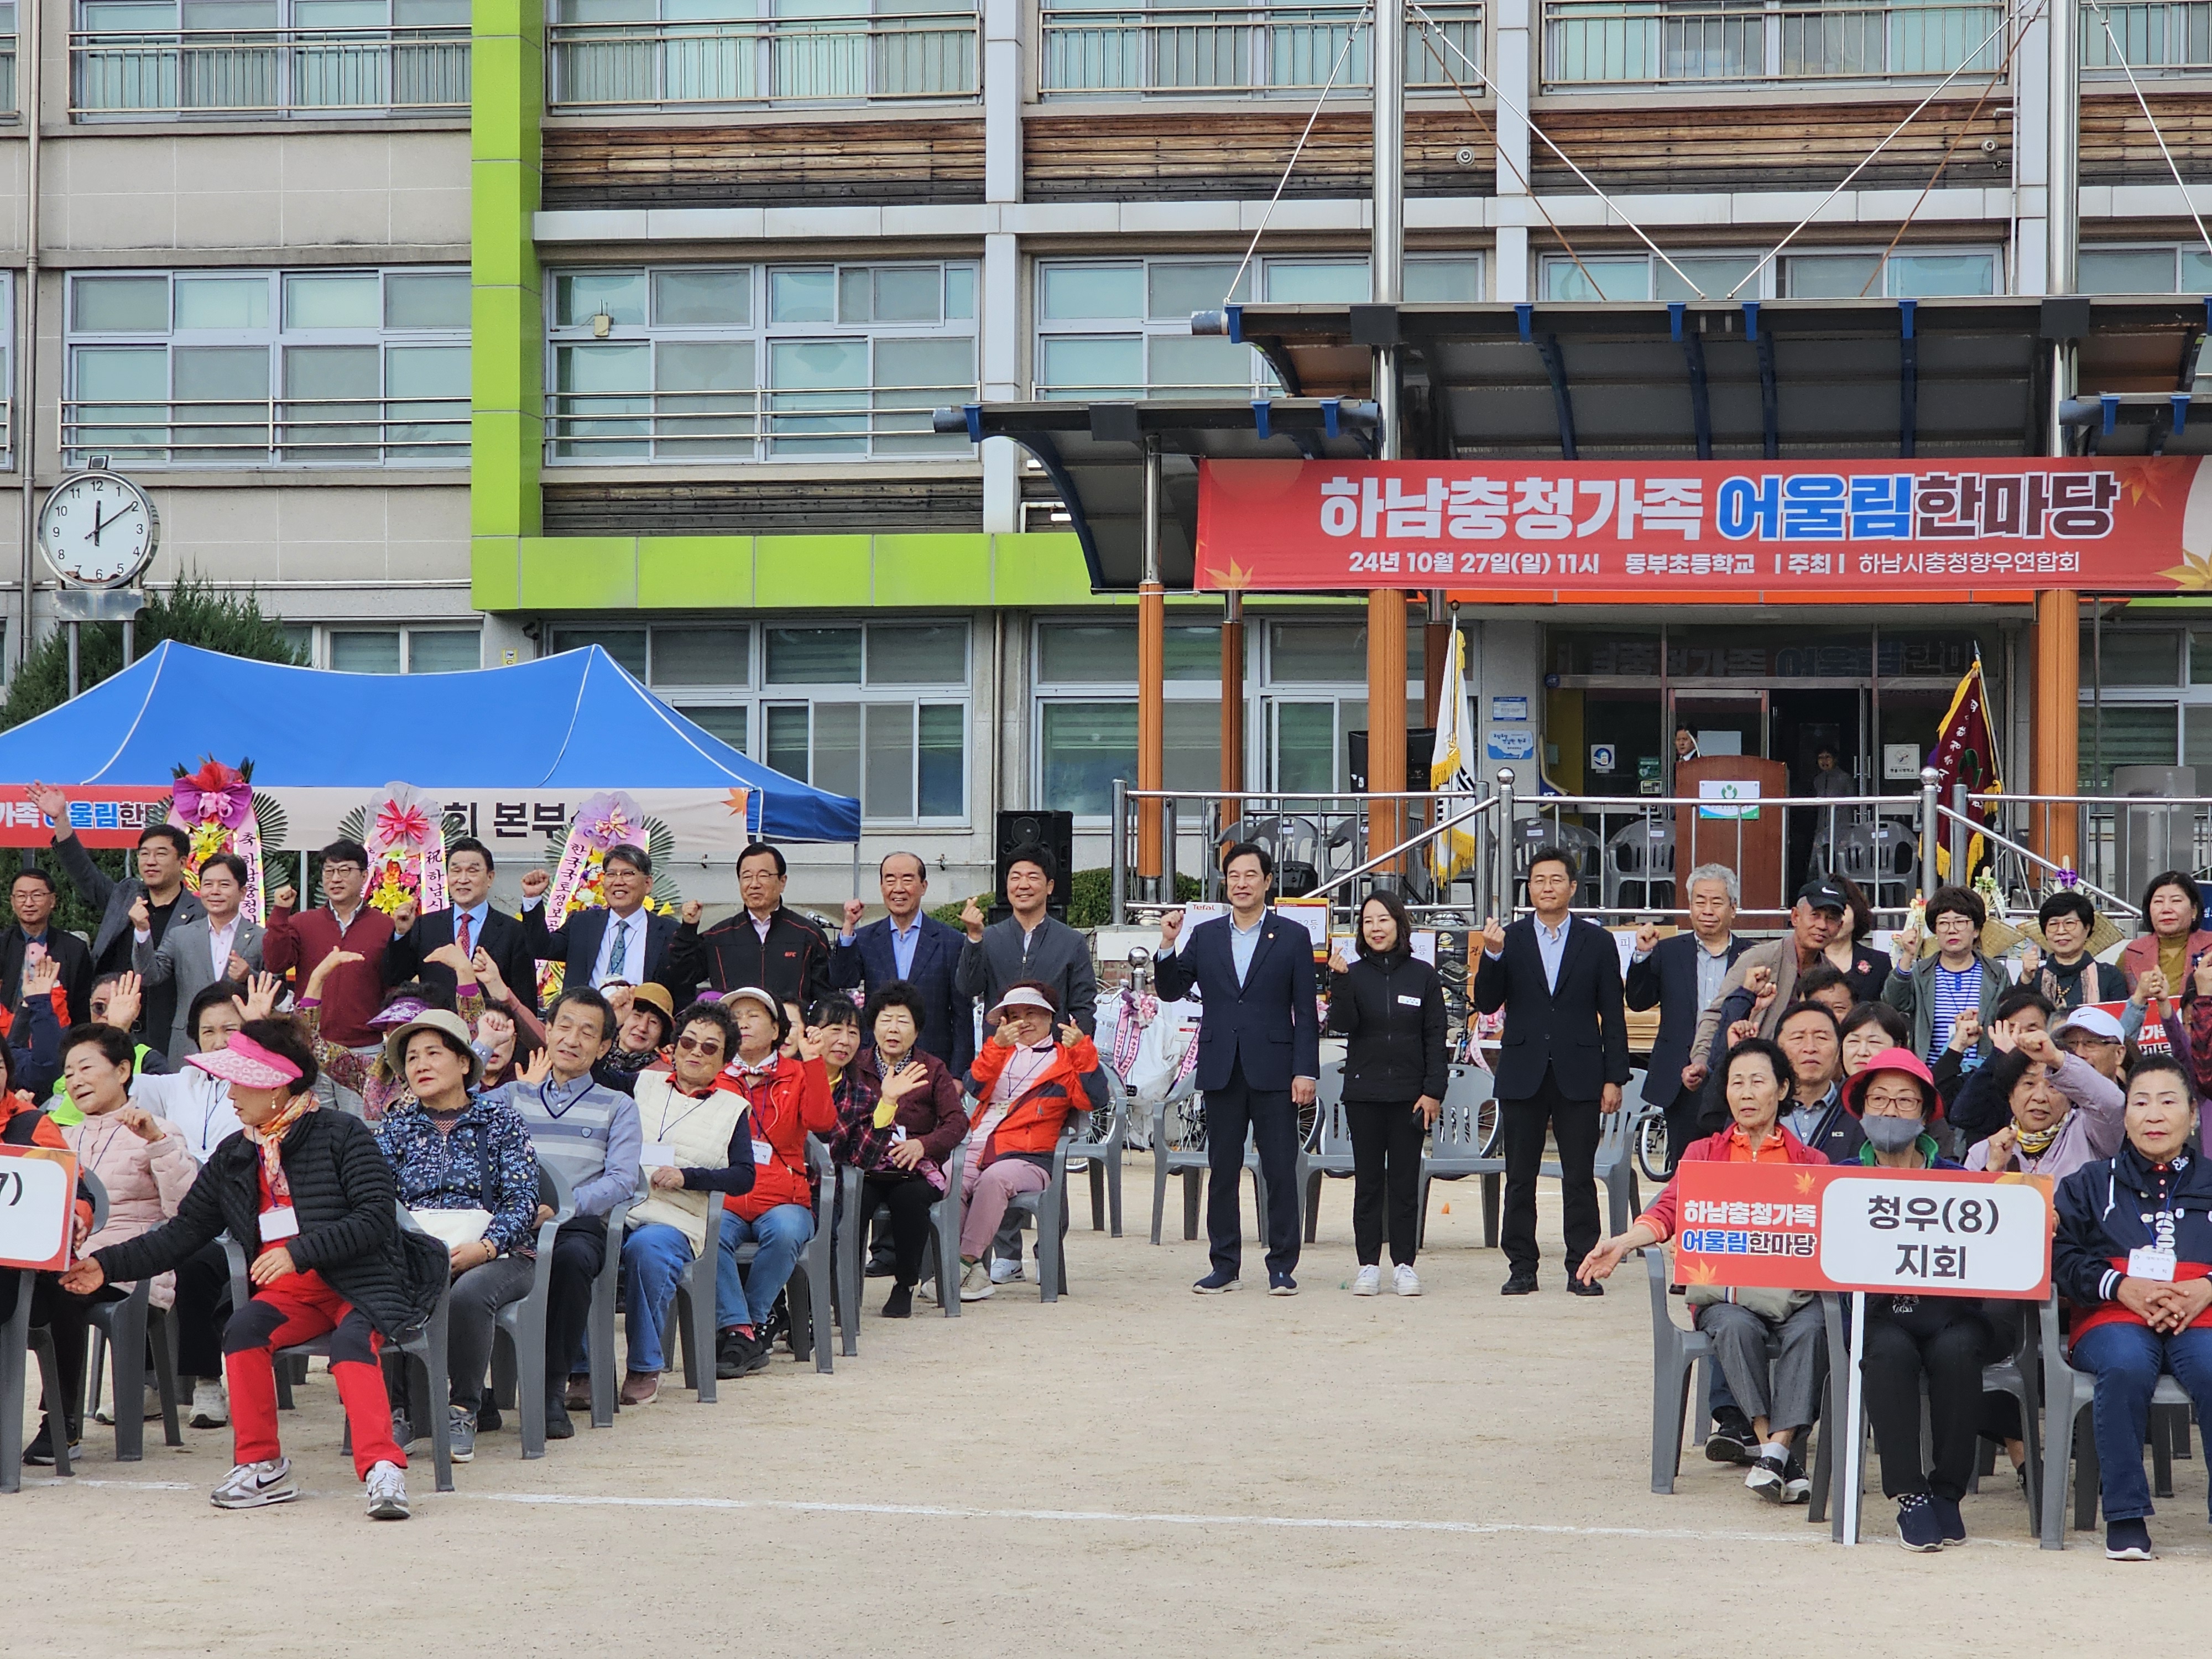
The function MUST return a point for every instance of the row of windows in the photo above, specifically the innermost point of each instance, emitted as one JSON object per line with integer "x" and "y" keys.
{"x": 428, "y": 650}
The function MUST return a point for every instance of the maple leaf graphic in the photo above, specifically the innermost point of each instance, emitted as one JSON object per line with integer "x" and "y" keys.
{"x": 2194, "y": 573}
{"x": 1805, "y": 1182}
{"x": 2142, "y": 486}
{"x": 1236, "y": 577}
{"x": 1699, "y": 1272}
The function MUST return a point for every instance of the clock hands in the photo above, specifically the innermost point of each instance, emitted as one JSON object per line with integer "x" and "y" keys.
{"x": 97, "y": 521}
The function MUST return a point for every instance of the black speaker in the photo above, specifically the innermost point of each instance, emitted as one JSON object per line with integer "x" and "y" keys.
{"x": 1055, "y": 832}
{"x": 1420, "y": 747}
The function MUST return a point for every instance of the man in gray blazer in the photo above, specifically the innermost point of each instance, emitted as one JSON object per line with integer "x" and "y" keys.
{"x": 218, "y": 944}
{"x": 1027, "y": 945}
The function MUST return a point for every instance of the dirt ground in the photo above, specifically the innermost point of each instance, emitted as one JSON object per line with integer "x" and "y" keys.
{"x": 1135, "y": 1470}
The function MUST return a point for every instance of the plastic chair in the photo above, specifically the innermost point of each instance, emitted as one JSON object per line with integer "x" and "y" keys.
{"x": 517, "y": 1339}
{"x": 1048, "y": 1210}
{"x": 2068, "y": 1393}
{"x": 1330, "y": 1157}
{"x": 807, "y": 1292}
{"x": 599, "y": 1348}
{"x": 852, "y": 1236}
{"x": 691, "y": 1315}
{"x": 1191, "y": 1164}
{"x": 1103, "y": 1156}
{"x": 19, "y": 1340}
{"x": 1615, "y": 1162}
{"x": 425, "y": 1345}
{"x": 1460, "y": 1145}
{"x": 125, "y": 1329}
{"x": 1639, "y": 865}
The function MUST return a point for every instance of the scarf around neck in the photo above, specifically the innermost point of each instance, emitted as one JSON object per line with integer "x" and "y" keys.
{"x": 270, "y": 1138}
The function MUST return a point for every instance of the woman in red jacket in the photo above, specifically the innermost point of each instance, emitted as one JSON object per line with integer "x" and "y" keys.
{"x": 903, "y": 1143}
{"x": 1027, "y": 1085}
{"x": 787, "y": 1098}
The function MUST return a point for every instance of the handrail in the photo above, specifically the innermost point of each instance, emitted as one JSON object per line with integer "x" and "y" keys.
{"x": 1466, "y": 815}
{"x": 1236, "y": 50}
{"x": 245, "y": 71}
{"x": 892, "y": 57}
{"x": 2113, "y": 901}
{"x": 1617, "y": 42}
{"x": 269, "y": 431}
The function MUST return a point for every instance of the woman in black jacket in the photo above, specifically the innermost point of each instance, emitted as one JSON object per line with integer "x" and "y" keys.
{"x": 1390, "y": 1007}
{"x": 315, "y": 1197}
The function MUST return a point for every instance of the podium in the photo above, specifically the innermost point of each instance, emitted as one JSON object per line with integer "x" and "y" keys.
{"x": 1757, "y": 856}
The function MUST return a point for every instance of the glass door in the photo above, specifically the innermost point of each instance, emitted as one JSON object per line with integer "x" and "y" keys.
{"x": 1714, "y": 723}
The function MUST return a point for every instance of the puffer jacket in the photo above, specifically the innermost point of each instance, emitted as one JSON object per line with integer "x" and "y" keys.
{"x": 348, "y": 1203}
{"x": 792, "y": 1104}
{"x": 145, "y": 1180}
{"x": 1391, "y": 1008}
{"x": 2102, "y": 1210}
{"x": 1070, "y": 1082}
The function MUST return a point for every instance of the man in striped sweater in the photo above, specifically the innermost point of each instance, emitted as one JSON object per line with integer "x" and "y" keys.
{"x": 591, "y": 1134}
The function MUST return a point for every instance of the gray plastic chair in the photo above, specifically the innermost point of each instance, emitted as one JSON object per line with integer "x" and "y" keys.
{"x": 1048, "y": 1211}
{"x": 1615, "y": 1163}
{"x": 807, "y": 1294}
{"x": 19, "y": 1340}
{"x": 1330, "y": 1157}
{"x": 429, "y": 1385}
{"x": 600, "y": 1351}
{"x": 852, "y": 1232}
{"x": 518, "y": 1339}
{"x": 127, "y": 1328}
{"x": 1190, "y": 1163}
{"x": 2068, "y": 1393}
{"x": 690, "y": 1320}
{"x": 1460, "y": 1146}
{"x": 1103, "y": 1156}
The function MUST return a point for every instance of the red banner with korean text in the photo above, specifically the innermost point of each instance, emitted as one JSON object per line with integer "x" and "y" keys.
{"x": 1852, "y": 1227}
{"x": 102, "y": 814}
{"x": 1742, "y": 530}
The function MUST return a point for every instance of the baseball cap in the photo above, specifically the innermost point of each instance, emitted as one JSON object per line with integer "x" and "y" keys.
{"x": 1823, "y": 894}
{"x": 2100, "y": 1023}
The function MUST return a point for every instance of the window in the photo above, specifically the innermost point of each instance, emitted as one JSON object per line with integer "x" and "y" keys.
{"x": 133, "y": 59}
{"x": 397, "y": 650}
{"x": 1915, "y": 276}
{"x": 876, "y": 711}
{"x": 260, "y": 367}
{"x": 1121, "y": 328}
{"x": 2154, "y": 706}
{"x": 1646, "y": 277}
{"x": 1315, "y": 696}
{"x": 1087, "y": 719}
{"x": 2167, "y": 270}
{"x": 759, "y": 362}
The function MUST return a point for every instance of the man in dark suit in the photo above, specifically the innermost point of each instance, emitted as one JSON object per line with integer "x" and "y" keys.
{"x": 1682, "y": 976}
{"x": 906, "y": 944}
{"x": 1564, "y": 1060}
{"x": 32, "y": 935}
{"x": 1258, "y": 1057}
{"x": 619, "y": 940}
{"x": 471, "y": 923}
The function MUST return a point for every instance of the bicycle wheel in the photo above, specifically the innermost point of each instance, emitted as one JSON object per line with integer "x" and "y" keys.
{"x": 1650, "y": 1135}
{"x": 1486, "y": 1118}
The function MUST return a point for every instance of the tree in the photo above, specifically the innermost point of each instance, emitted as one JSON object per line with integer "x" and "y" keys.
{"x": 192, "y": 612}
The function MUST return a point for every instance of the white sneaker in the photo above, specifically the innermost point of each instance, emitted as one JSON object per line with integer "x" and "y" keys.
{"x": 1367, "y": 1281}
{"x": 151, "y": 1412}
{"x": 250, "y": 1485}
{"x": 973, "y": 1274}
{"x": 210, "y": 1404}
{"x": 1406, "y": 1281}
{"x": 1005, "y": 1268}
{"x": 980, "y": 1290}
{"x": 387, "y": 1493}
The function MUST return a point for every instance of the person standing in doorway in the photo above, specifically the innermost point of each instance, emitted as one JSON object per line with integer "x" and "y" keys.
{"x": 1258, "y": 1057}
{"x": 1564, "y": 1062}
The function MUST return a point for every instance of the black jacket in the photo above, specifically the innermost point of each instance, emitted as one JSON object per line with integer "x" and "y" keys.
{"x": 1577, "y": 1032}
{"x": 575, "y": 945}
{"x": 2102, "y": 1215}
{"x": 1668, "y": 980}
{"x": 349, "y": 1229}
{"x": 1392, "y": 1009}
{"x": 75, "y": 956}
{"x": 792, "y": 964}
{"x": 503, "y": 940}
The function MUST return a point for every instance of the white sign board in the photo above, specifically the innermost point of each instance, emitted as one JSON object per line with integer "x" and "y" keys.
{"x": 1908, "y": 1236}
{"x": 1724, "y": 797}
{"x": 1900, "y": 761}
{"x": 36, "y": 1209}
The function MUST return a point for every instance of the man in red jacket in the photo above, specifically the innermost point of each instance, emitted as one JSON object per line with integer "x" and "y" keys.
{"x": 346, "y": 921}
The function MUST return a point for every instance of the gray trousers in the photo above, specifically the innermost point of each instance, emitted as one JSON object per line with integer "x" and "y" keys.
{"x": 1790, "y": 1398}
{"x": 478, "y": 1295}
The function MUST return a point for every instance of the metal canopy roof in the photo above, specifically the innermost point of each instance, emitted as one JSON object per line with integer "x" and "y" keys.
{"x": 1094, "y": 454}
{"x": 1799, "y": 379}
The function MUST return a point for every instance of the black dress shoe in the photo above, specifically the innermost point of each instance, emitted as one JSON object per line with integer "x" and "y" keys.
{"x": 557, "y": 1425}
{"x": 1519, "y": 1285}
{"x": 1592, "y": 1288}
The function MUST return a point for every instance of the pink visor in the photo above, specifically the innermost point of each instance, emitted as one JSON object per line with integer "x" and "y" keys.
{"x": 247, "y": 1065}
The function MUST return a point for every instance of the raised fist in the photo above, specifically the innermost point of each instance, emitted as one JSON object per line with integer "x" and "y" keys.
{"x": 403, "y": 915}
{"x": 535, "y": 881}
{"x": 971, "y": 919}
{"x": 853, "y": 909}
{"x": 693, "y": 909}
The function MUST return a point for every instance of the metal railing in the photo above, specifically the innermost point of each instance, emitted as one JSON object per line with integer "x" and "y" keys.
{"x": 269, "y": 432}
{"x": 242, "y": 72}
{"x": 2170, "y": 35}
{"x": 1611, "y": 43}
{"x": 1225, "y": 49}
{"x": 764, "y": 60}
{"x": 857, "y": 422}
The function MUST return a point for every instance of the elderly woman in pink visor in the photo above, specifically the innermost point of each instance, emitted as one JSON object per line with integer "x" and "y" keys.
{"x": 1028, "y": 1081}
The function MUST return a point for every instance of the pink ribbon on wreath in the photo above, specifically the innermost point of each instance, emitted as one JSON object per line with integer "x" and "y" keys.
{"x": 214, "y": 792}
{"x": 398, "y": 826}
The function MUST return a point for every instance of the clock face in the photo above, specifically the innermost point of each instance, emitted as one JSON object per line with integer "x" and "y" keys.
{"x": 97, "y": 529}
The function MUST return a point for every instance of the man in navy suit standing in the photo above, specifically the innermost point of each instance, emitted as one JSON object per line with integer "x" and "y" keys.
{"x": 1258, "y": 1057}
{"x": 1564, "y": 1060}
{"x": 619, "y": 940}
{"x": 906, "y": 944}
{"x": 1682, "y": 976}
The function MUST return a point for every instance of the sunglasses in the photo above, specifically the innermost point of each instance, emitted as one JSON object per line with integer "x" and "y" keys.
{"x": 692, "y": 1045}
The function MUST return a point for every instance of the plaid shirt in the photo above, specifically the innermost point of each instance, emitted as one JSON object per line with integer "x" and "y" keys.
{"x": 862, "y": 1145}
{"x": 484, "y": 1162}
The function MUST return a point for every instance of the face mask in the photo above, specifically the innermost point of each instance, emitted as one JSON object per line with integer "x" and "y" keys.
{"x": 1891, "y": 1134}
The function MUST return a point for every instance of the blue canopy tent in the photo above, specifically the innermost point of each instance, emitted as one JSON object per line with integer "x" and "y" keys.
{"x": 571, "y": 721}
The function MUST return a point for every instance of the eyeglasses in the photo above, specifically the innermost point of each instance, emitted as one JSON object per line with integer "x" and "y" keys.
{"x": 1894, "y": 1106}
{"x": 690, "y": 1045}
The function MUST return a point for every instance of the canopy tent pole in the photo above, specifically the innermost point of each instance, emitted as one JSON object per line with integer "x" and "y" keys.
{"x": 1152, "y": 684}
{"x": 1386, "y": 607}
{"x": 2058, "y": 614}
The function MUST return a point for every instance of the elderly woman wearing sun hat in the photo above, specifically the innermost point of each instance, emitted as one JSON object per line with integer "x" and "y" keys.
{"x": 468, "y": 1171}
